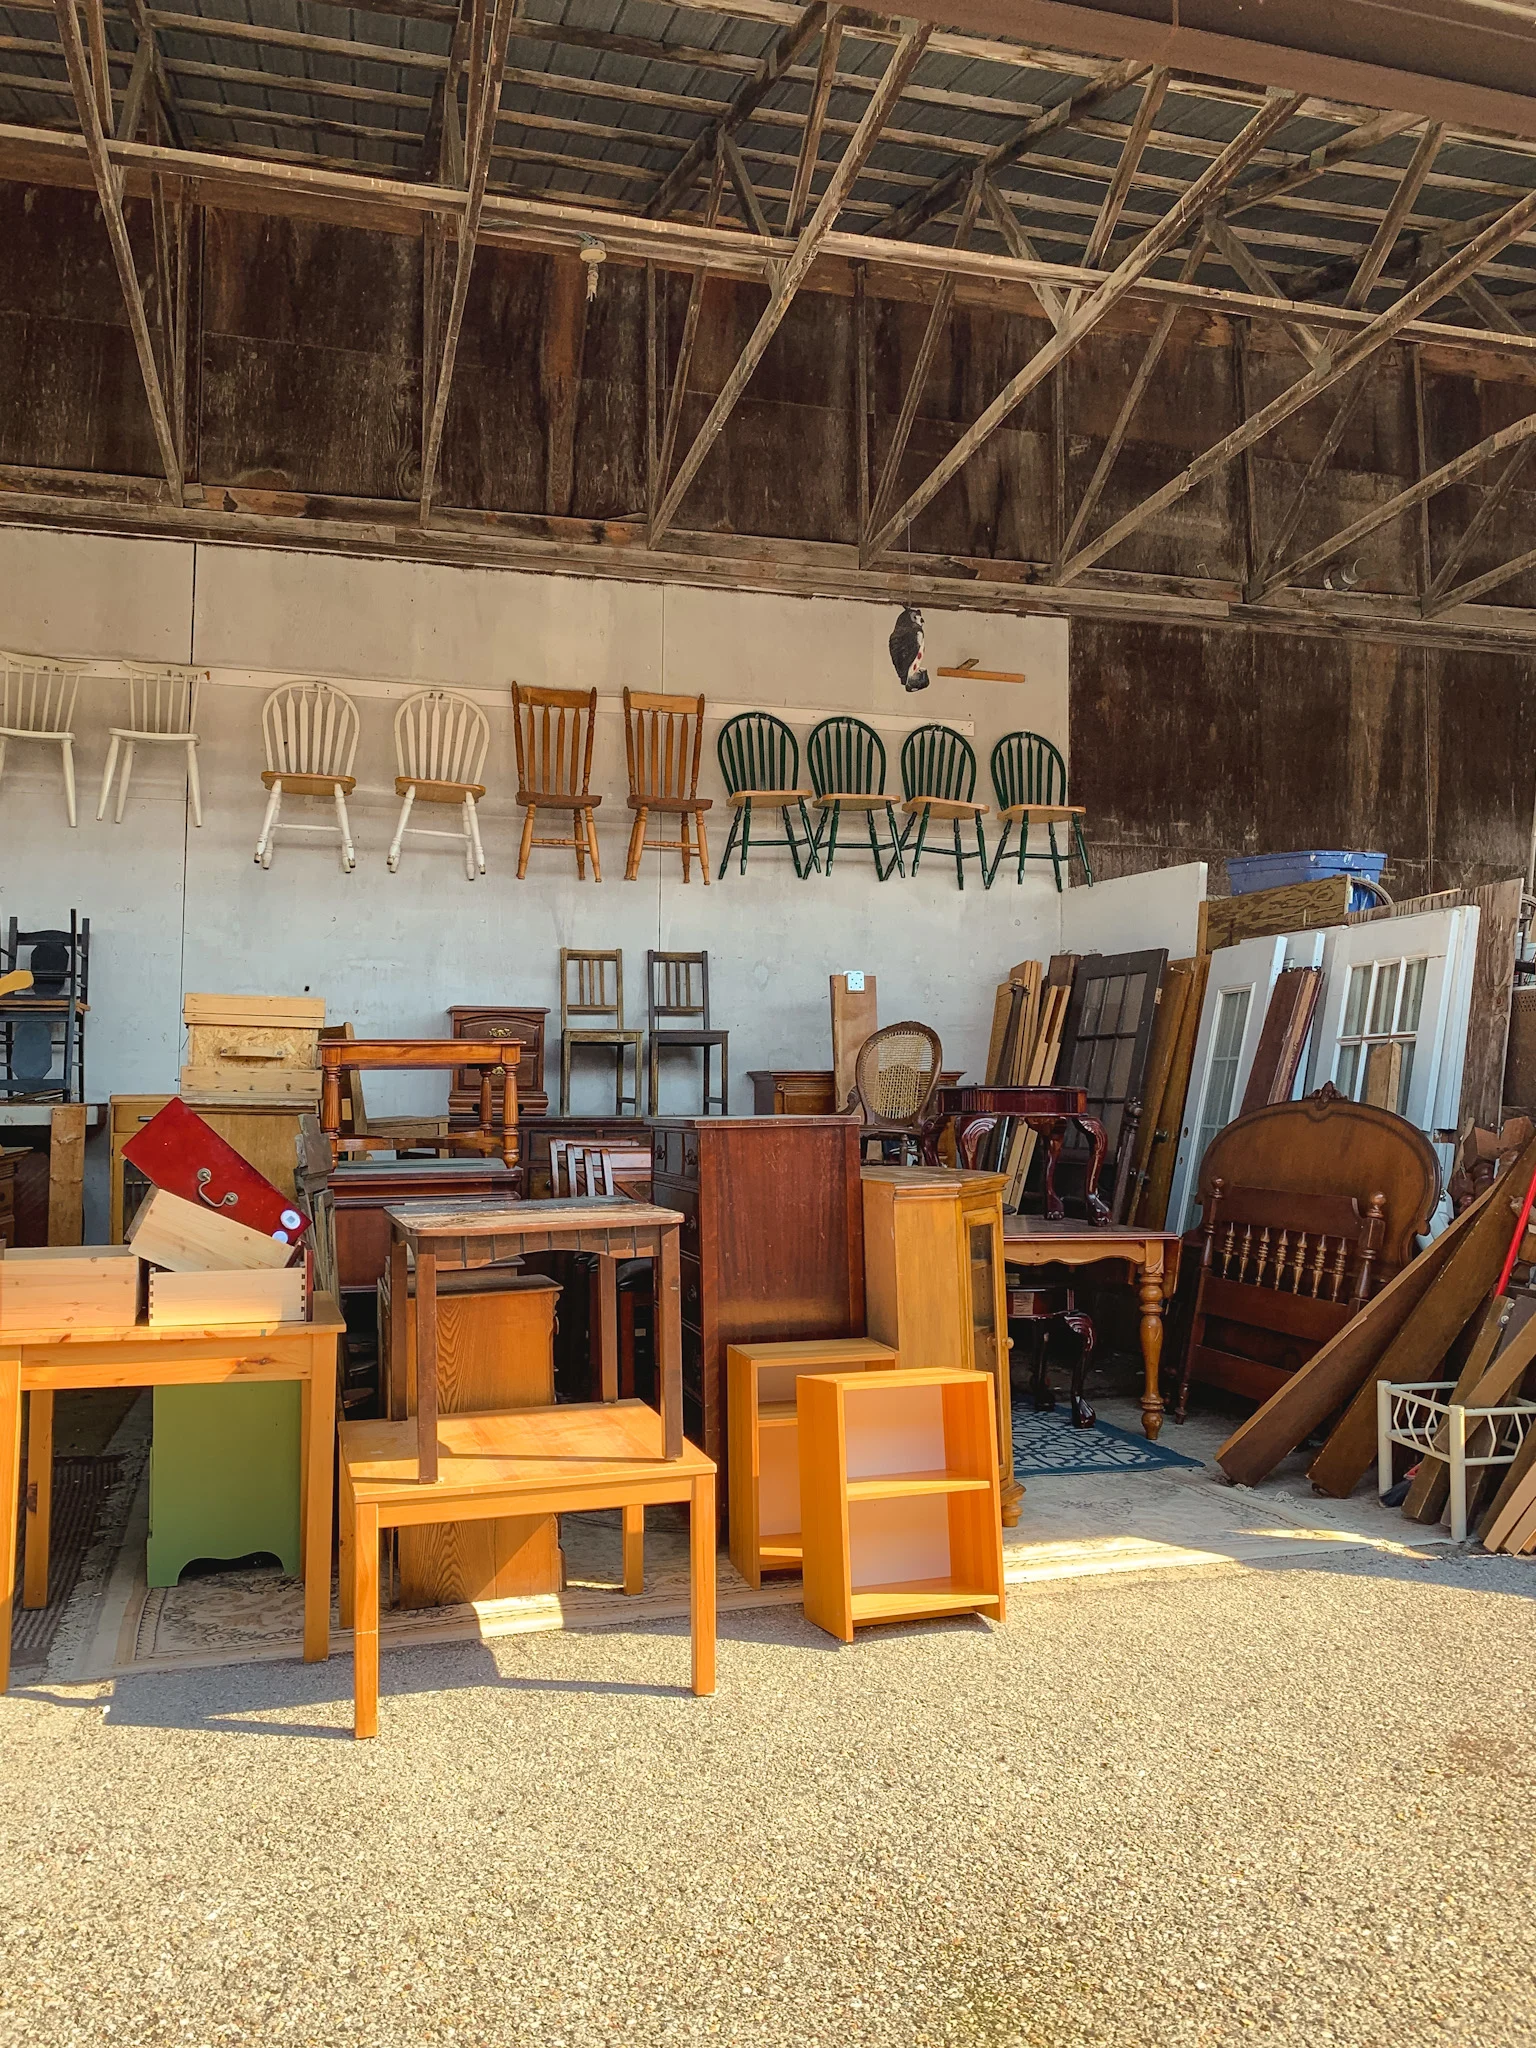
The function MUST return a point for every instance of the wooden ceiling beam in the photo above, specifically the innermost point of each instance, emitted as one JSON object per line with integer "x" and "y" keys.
{"x": 1384, "y": 241}
{"x": 1125, "y": 171}
{"x": 816, "y": 114}
{"x": 1442, "y": 593}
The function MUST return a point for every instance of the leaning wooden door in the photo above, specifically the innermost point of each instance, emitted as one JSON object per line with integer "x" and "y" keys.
{"x": 1231, "y": 1020}
{"x": 1107, "y": 1033}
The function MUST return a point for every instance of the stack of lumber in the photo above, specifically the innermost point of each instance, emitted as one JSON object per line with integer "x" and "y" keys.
{"x": 1170, "y": 1059}
{"x": 207, "y": 1270}
{"x": 1446, "y": 1316}
{"x": 254, "y": 1052}
{"x": 1028, "y": 1013}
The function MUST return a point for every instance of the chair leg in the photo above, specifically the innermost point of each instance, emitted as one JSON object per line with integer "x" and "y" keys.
{"x": 472, "y": 812}
{"x": 194, "y": 785}
{"x": 1050, "y": 833}
{"x": 981, "y": 856}
{"x": 836, "y": 816}
{"x": 526, "y": 847}
{"x": 1082, "y": 849}
{"x": 742, "y": 824}
{"x": 392, "y": 858}
{"x": 565, "y": 1071}
{"x": 636, "y": 846}
{"x": 106, "y": 778}
{"x": 348, "y": 857}
{"x": 579, "y": 840}
{"x": 959, "y": 854}
{"x": 591, "y": 832}
{"x": 898, "y": 852}
{"x": 470, "y": 870}
{"x": 685, "y": 835}
{"x": 653, "y": 1077}
{"x": 122, "y": 783}
{"x": 269, "y": 826}
{"x": 730, "y": 844}
{"x": 698, "y": 826}
{"x": 67, "y": 749}
{"x": 813, "y": 858}
{"x": 922, "y": 839}
{"x": 725, "y": 1081}
{"x": 1023, "y": 847}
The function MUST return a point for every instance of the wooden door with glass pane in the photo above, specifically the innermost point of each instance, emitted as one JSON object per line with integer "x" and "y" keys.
{"x": 1231, "y": 1020}
{"x": 1105, "y": 1039}
{"x": 1392, "y": 1024}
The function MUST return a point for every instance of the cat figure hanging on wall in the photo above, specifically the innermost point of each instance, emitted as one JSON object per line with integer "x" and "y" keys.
{"x": 906, "y": 645}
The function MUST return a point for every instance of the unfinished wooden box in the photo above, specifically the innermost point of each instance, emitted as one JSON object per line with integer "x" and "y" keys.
{"x": 898, "y": 1497}
{"x": 765, "y": 1441}
{"x": 252, "y": 1049}
{"x": 72, "y": 1289}
{"x": 495, "y": 1351}
{"x": 209, "y": 1301}
{"x": 186, "y": 1238}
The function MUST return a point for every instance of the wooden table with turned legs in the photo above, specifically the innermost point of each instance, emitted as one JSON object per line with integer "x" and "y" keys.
{"x": 1152, "y": 1257}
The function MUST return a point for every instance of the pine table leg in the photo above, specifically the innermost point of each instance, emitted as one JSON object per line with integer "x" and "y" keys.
{"x": 10, "y": 1478}
{"x": 365, "y": 1621}
{"x": 634, "y": 1549}
{"x": 701, "y": 1582}
{"x": 317, "y": 1448}
{"x": 39, "y": 1531}
{"x": 346, "y": 1543}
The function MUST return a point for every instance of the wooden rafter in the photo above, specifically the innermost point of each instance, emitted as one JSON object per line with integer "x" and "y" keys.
{"x": 884, "y": 98}
{"x": 755, "y": 89}
{"x": 690, "y": 331}
{"x": 810, "y": 140}
{"x": 1347, "y": 358}
{"x": 109, "y": 191}
{"x": 1167, "y": 235}
{"x": 1452, "y": 472}
{"x": 1309, "y": 345}
{"x": 1125, "y": 171}
{"x": 1264, "y": 575}
{"x": 741, "y": 184}
{"x": 917, "y": 212}
{"x": 1021, "y": 248}
{"x": 1442, "y": 593}
{"x": 933, "y": 334}
{"x": 1479, "y": 586}
{"x": 486, "y": 65}
{"x": 1384, "y": 241}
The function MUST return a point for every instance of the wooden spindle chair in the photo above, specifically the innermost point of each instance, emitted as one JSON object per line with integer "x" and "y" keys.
{"x": 938, "y": 780}
{"x": 309, "y": 731}
{"x": 592, "y": 989}
{"x": 846, "y": 758}
{"x": 37, "y": 703}
{"x": 162, "y": 712}
{"x": 1029, "y": 780}
{"x": 441, "y": 738}
{"x": 554, "y": 730}
{"x": 677, "y": 987}
{"x": 662, "y": 739}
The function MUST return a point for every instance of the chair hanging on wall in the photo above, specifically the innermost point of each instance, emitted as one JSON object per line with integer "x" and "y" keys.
{"x": 662, "y": 737}
{"x": 938, "y": 780}
{"x": 440, "y": 746}
{"x": 846, "y": 758}
{"x": 37, "y": 704}
{"x": 760, "y": 761}
{"x": 554, "y": 730}
{"x": 162, "y": 712}
{"x": 1029, "y": 778}
{"x": 894, "y": 1080}
{"x": 310, "y": 734}
{"x": 677, "y": 986}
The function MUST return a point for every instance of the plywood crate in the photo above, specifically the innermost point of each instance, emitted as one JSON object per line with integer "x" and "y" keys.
{"x": 254, "y": 1049}
{"x": 899, "y": 1497}
{"x": 72, "y": 1289}
{"x": 212, "y": 1300}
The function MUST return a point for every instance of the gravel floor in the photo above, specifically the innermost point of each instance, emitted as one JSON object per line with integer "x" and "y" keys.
{"x": 1287, "y": 1806}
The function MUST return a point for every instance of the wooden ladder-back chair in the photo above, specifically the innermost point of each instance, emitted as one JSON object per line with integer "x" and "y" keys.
{"x": 938, "y": 780}
{"x": 1029, "y": 779}
{"x": 846, "y": 758}
{"x": 760, "y": 761}
{"x": 309, "y": 731}
{"x": 441, "y": 739}
{"x": 1349, "y": 1187}
{"x": 43, "y": 1013}
{"x": 162, "y": 712}
{"x": 894, "y": 1081}
{"x": 554, "y": 730}
{"x": 677, "y": 985}
{"x": 592, "y": 987}
{"x": 37, "y": 703}
{"x": 662, "y": 739}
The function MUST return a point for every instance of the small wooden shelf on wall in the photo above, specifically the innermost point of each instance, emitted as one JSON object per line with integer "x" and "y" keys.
{"x": 899, "y": 1497}
{"x": 764, "y": 1437}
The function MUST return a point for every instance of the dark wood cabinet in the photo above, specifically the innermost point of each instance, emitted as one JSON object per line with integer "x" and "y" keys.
{"x": 771, "y": 1244}
{"x": 522, "y": 1027}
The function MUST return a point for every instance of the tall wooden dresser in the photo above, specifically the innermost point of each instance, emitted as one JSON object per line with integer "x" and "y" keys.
{"x": 772, "y": 1242}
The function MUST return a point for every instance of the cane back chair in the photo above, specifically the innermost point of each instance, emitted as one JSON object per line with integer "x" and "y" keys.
{"x": 894, "y": 1080}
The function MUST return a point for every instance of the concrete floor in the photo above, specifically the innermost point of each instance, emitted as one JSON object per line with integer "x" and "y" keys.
{"x": 1286, "y": 1805}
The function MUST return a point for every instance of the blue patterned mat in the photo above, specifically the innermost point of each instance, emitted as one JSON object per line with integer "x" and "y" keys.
{"x": 1048, "y": 1443}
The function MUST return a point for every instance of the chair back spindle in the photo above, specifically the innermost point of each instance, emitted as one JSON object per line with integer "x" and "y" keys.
{"x": 846, "y": 757}
{"x": 441, "y": 736}
{"x": 757, "y": 751}
{"x": 310, "y": 729}
{"x": 37, "y": 696}
{"x": 938, "y": 762}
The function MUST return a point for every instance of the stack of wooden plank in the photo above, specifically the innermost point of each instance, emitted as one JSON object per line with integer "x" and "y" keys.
{"x": 1028, "y": 1013}
{"x": 1447, "y": 1316}
{"x": 1170, "y": 1059}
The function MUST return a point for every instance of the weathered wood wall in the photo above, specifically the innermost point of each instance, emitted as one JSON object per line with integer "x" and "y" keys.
{"x": 305, "y": 379}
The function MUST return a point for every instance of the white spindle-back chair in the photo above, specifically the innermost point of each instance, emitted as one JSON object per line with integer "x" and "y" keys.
{"x": 162, "y": 711}
{"x": 37, "y": 702}
{"x": 309, "y": 731}
{"x": 440, "y": 746}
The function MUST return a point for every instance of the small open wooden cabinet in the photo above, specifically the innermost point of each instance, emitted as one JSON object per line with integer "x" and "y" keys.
{"x": 898, "y": 1497}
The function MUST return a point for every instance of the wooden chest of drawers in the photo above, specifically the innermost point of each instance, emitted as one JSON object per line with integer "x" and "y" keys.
{"x": 520, "y": 1027}
{"x": 771, "y": 1245}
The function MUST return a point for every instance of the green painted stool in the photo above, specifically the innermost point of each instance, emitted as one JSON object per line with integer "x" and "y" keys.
{"x": 224, "y": 1475}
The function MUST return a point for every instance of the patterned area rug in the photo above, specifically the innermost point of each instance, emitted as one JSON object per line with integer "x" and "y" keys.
{"x": 80, "y": 1485}
{"x": 1048, "y": 1443}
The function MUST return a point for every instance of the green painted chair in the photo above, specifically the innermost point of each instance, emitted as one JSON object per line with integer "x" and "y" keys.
{"x": 846, "y": 758}
{"x": 938, "y": 780}
{"x": 1030, "y": 781}
{"x": 760, "y": 760}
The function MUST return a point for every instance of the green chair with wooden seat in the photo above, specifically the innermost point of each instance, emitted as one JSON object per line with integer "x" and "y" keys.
{"x": 846, "y": 758}
{"x": 760, "y": 760}
{"x": 1029, "y": 779}
{"x": 938, "y": 780}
